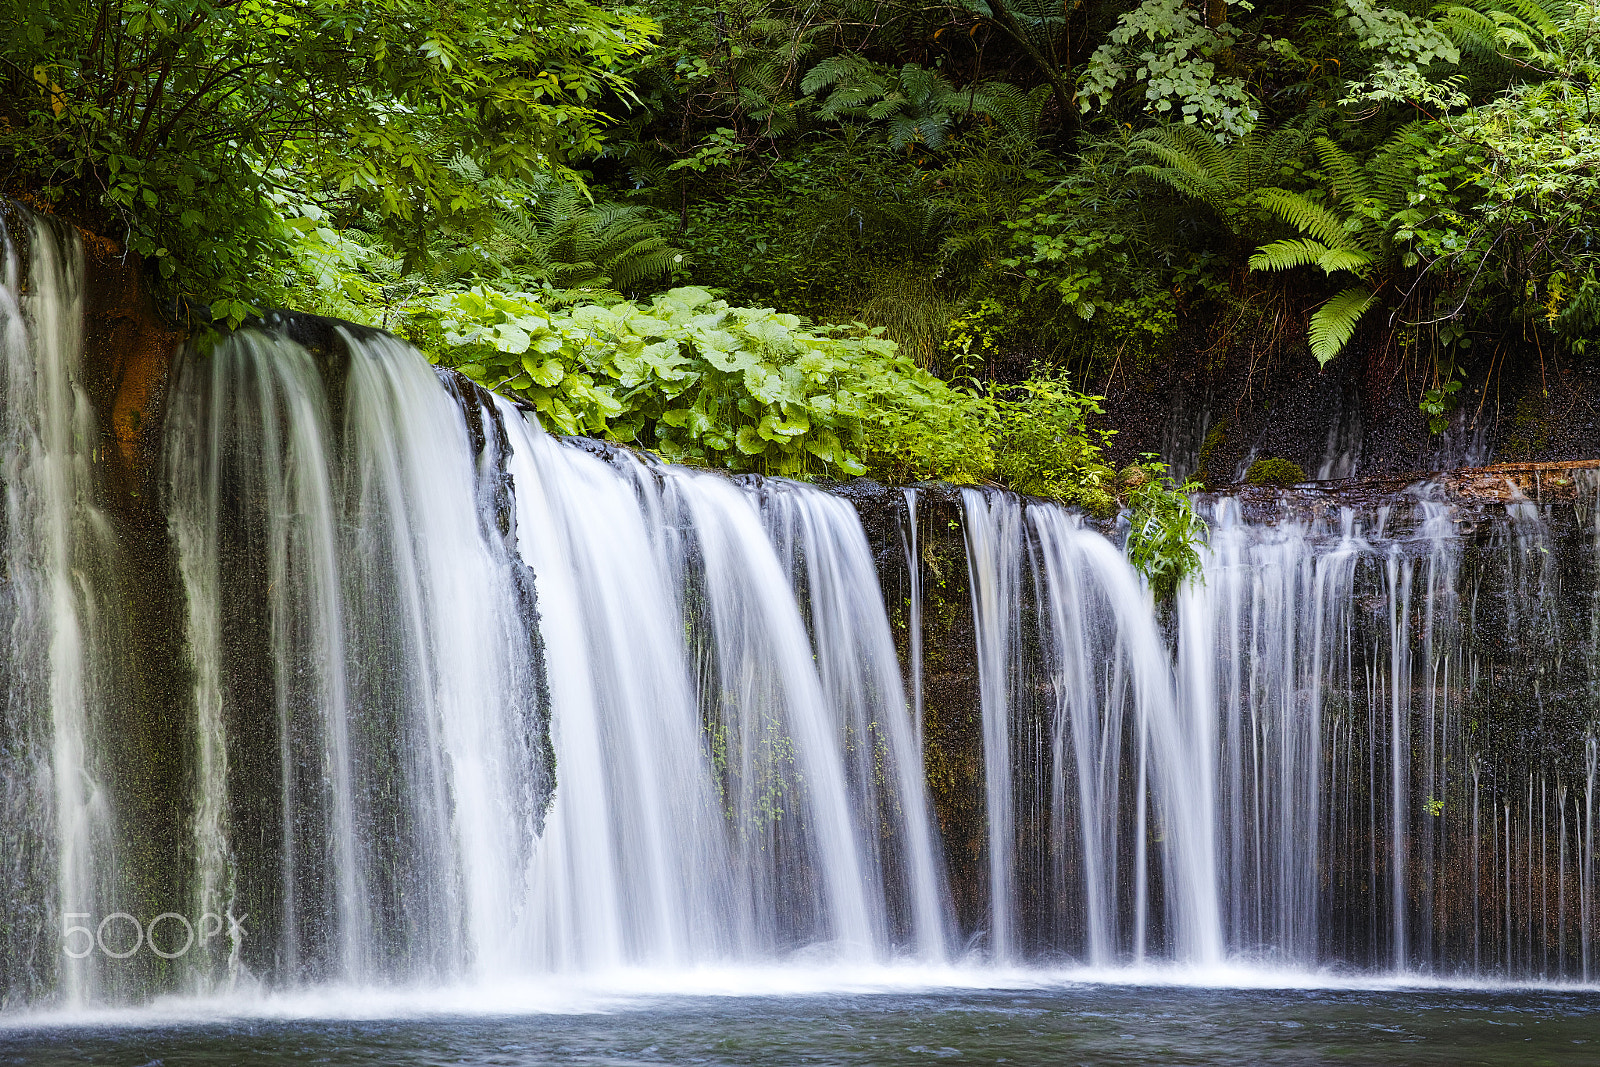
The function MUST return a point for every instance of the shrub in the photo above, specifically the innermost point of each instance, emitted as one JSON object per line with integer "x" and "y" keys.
{"x": 1163, "y": 533}
{"x": 1043, "y": 447}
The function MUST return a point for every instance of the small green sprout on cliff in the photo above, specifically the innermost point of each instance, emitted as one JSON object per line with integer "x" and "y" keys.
{"x": 1439, "y": 401}
{"x": 1164, "y": 533}
{"x": 1275, "y": 471}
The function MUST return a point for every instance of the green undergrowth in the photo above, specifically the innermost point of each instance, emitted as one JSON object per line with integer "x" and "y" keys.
{"x": 1164, "y": 533}
{"x": 698, "y": 381}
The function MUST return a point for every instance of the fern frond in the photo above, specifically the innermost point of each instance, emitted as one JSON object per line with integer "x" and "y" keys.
{"x": 1348, "y": 176}
{"x": 1470, "y": 29}
{"x": 1038, "y": 15}
{"x": 1201, "y": 187}
{"x": 1309, "y": 217}
{"x": 1287, "y": 255}
{"x": 835, "y": 70}
{"x": 1184, "y": 147}
{"x": 848, "y": 99}
{"x": 464, "y": 166}
{"x": 770, "y": 28}
{"x": 891, "y": 104}
{"x": 1304, "y": 252}
{"x": 1392, "y": 170}
{"x": 1541, "y": 16}
{"x": 1015, "y": 112}
{"x": 1266, "y": 156}
{"x": 1354, "y": 260}
{"x": 1334, "y": 323}
{"x": 517, "y": 226}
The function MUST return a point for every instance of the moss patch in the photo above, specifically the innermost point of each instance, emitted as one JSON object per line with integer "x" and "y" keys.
{"x": 1274, "y": 471}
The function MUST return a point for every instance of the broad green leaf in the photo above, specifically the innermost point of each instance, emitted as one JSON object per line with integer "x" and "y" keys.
{"x": 547, "y": 372}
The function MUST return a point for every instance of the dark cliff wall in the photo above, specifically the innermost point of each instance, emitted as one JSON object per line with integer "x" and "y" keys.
{"x": 1213, "y": 413}
{"x": 952, "y": 718}
{"x": 128, "y": 354}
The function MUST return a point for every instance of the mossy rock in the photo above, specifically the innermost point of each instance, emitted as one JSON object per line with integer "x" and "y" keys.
{"x": 1275, "y": 471}
{"x": 1132, "y": 477}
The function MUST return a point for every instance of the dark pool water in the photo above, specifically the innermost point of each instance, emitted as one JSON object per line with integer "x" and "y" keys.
{"x": 1090, "y": 1024}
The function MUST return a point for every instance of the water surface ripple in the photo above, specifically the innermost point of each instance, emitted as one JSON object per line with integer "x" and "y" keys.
{"x": 1068, "y": 1024}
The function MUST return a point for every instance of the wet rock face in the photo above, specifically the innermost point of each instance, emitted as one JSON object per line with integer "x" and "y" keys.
{"x": 951, "y": 713}
{"x": 1211, "y": 416}
{"x": 128, "y": 352}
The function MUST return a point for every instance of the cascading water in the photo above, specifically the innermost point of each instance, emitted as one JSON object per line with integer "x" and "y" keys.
{"x": 1109, "y": 732}
{"x": 1314, "y": 760}
{"x": 855, "y": 653}
{"x": 371, "y": 769}
{"x": 370, "y": 766}
{"x": 57, "y": 827}
{"x": 463, "y": 702}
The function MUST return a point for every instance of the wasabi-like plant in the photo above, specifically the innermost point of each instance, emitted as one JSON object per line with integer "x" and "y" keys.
{"x": 700, "y": 382}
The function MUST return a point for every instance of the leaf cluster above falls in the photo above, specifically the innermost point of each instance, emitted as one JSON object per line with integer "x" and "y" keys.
{"x": 700, "y": 382}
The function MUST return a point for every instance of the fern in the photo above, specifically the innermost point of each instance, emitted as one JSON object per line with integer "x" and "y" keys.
{"x": 1348, "y": 176}
{"x": 845, "y": 69}
{"x": 1392, "y": 170}
{"x": 1334, "y": 323}
{"x": 1471, "y": 30}
{"x": 1226, "y": 178}
{"x": 918, "y": 105}
{"x": 568, "y": 242}
{"x": 1349, "y": 236}
{"x": 1309, "y": 217}
{"x": 1017, "y": 113}
{"x": 1524, "y": 32}
{"x": 1304, "y": 252}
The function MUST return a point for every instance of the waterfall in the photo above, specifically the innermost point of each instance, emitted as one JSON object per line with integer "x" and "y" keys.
{"x": 369, "y": 768}
{"x": 55, "y": 602}
{"x": 374, "y": 559}
{"x": 1314, "y": 756}
{"x": 1113, "y": 707}
{"x": 909, "y": 544}
{"x": 994, "y": 561}
{"x": 460, "y": 702}
{"x": 839, "y": 594}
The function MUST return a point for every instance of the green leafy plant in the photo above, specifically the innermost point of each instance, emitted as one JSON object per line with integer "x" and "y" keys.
{"x": 1043, "y": 447}
{"x": 1168, "y": 47}
{"x": 1164, "y": 533}
{"x": 701, "y": 382}
{"x": 1039, "y": 28}
{"x": 1439, "y": 400}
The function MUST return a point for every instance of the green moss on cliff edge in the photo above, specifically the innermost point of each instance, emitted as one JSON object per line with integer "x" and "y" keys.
{"x": 1275, "y": 471}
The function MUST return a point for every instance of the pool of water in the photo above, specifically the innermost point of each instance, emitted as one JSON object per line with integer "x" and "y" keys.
{"x": 1059, "y": 1021}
